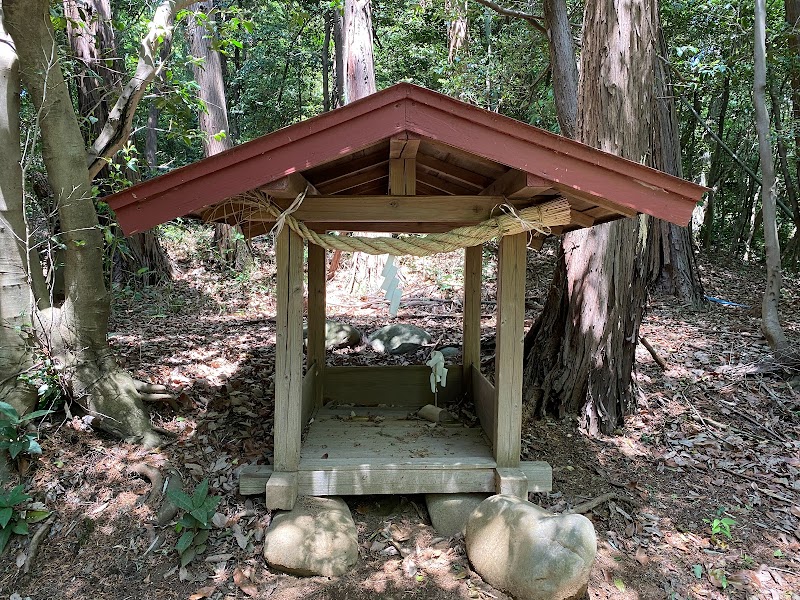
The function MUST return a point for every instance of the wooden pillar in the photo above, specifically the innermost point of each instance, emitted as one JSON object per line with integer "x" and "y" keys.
{"x": 282, "y": 486}
{"x": 316, "y": 319}
{"x": 471, "y": 350}
{"x": 508, "y": 356}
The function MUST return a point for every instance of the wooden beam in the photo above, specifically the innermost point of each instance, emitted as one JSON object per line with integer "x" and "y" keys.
{"x": 508, "y": 353}
{"x": 404, "y": 145}
{"x": 288, "y": 351}
{"x": 458, "y": 174}
{"x": 484, "y": 398}
{"x": 471, "y": 342}
{"x": 281, "y": 490}
{"x": 395, "y": 479}
{"x": 353, "y": 179}
{"x": 316, "y": 318}
{"x": 517, "y": 184}
{"x": 388, "y": 209}
{"x": 390, "y": 385}
{"x": 289, "y": 186}
{"x": 448, "y": 187}
{"x": 580, "y": 218}
{"x": 511, "y": 482}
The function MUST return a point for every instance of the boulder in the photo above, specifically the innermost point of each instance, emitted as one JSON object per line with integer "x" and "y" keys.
{"x": 528, "y": 552}
{"x": 399, "y": 339}
{"x": 338, "y": 335}
{"x": 317, "y": 537}
{"x": 449, "y": 512}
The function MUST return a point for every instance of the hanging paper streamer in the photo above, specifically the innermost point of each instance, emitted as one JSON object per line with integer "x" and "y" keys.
{"x": 438, "y": 371}
{"x": 391, "y": 285}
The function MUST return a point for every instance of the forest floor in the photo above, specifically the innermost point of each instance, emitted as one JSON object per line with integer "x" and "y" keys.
{"x": 704, "y": 480}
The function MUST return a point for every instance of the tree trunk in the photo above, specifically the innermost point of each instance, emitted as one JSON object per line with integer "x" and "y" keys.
{"x": 580, "y": 352}
{"x": 457, "y": 27}
{"x": 770, "y": 321}
{"x": 338, "y": 57}
{"x": 716, "y": 171}
{"x": 230, "y": 242}
{"x": 563, "y": 65}
{"x": 359, "y": 78}
{"x": 16, "y": 303}
{"x": 76, "y": 333}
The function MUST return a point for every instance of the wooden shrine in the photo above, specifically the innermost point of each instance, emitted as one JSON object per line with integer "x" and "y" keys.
{"x": 404, "y": 160}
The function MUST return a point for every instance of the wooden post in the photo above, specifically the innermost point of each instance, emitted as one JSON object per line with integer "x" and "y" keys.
{"x": 288, "y": 370}
{"x": 508, "y": 356}
{"x": 471, "y": 351}
{"x": 316, "y": 318}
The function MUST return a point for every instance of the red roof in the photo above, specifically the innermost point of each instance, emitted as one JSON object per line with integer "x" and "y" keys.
{"x": 462, "y": 147}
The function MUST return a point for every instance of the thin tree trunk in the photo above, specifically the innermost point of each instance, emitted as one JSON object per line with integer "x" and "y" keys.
{"x": 229, "y": 240}
{"x": 770, "y": 320}
{"x": 580, "y": 352}
{"x": 457, "y": 27}
{"x": 326, "y": 61}
{"x": 16, "y": 303}
{"x": 716, "y": 171}
{"x": 77, "y": 332}
{"x": 338, "y": 57}
{"x": 563, "y": 65}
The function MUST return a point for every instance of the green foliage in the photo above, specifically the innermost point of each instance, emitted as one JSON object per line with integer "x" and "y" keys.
{"x": 196, "y": 521}
{"x": 12, "y": 520}
{"x": 47, "y": 381}
{"x": 721, "y": 525}
{"x": 13, "y": 434}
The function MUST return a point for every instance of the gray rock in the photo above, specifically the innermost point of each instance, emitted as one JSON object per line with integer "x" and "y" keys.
{"x": 338, "y": 335}
{"x": 449, "y": 512}
{"x": 399, "y": 339}
{"x": 317, "y": 537}
{"x": 529, "y": 552}
{"x": 450, "y": 351}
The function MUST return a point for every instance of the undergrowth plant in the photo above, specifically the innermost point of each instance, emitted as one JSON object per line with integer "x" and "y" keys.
{"x": 14, "y": 436}
{"x": 12, "y": 520}
{"x": 196, "y": 521}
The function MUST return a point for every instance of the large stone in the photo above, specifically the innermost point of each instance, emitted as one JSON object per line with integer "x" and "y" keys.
{"x": 529, "y": 552}
{"x": 317, "y": 537}
{"x": 338, "y": 335}
{"x": 400, "y": 338}
{"x": 449, "y": 512}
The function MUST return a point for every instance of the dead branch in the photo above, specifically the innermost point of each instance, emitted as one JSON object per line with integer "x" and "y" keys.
{"x": 589, "y": 505}
{"x": 661, "y": 362}
{"x": 534, "y": 20}
{"x": 37, "y": 538}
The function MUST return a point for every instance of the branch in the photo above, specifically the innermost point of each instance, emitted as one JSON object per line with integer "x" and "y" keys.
{"x": 535, "y": 22}
{"x": 117, "y": 128}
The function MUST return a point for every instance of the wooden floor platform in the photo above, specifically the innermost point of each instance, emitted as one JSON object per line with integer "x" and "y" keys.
{"x": 380, "y": 450}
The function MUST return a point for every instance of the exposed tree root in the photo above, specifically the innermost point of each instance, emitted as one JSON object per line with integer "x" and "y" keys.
{"x": 156, "y": 482}
{"x": 166, "y": 513}
{"x": 37, "y": 538}
{"x": 587, "y": 506}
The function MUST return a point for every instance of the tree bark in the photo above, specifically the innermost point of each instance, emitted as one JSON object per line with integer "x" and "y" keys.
{"x": 770, "y": 320}
{"x": 580, "y": 352}
{"x": 230, "y": 243}
{"x": 99, "y": 77}
{"x": 16, "y": 303}
{"x": 77, "y": 332}
{"x": 563, "y": 65}
{"x": 457, "y": 27}
{"x": 360, "y": 67}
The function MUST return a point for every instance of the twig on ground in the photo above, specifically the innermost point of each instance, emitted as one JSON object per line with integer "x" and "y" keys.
{"x": 751, "y": 420}
{"x": 589, "y": 505}
{"x": 33, "y": 547}
{"x": 661, "y": 362}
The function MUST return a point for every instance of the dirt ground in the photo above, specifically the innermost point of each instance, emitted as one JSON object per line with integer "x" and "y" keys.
{"x": 706, "y": 444}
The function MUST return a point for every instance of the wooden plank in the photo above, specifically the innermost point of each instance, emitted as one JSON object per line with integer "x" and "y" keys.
{"x": 580, "y": 218}
{"x": 410, "y": 227}
{"x": 370, "y": 480}
{"x": 288, "y": 350}
{"x": 517, "y": 184}
{"x": 444, "y": 185}
{"x": 281, "y": 491}
{"x": 397, "y": 177}
{"x": 539, "y": 475}
{"x": 484, "y": 398}
{"x": 410, "y": 174}
{"x": 351, "y": 180}
{"x": 391, "y": 208}
{"x": 473, "y": 284}
{"x": 389, "y": 385}
{"x": 289, "y": 186}
{"x": 508, "y": 353}
{"x": 316, "y": 318}
{"x": 252, "y": 479}
{"x": 404, "y": 145}
{"x": 511, "y": 482}
{"x": 309, "y": 394}
{"x": 447, "y": 170}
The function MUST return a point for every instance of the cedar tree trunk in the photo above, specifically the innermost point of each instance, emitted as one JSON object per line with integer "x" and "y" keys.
{"x": 214, "y": 124}
{"x": 580, "y": 352}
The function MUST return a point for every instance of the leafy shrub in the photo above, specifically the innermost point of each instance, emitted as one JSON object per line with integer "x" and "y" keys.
{"x": 13, "y": 436}
{"x": 196, "y": 521}
{"x": 11, "y": 519}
